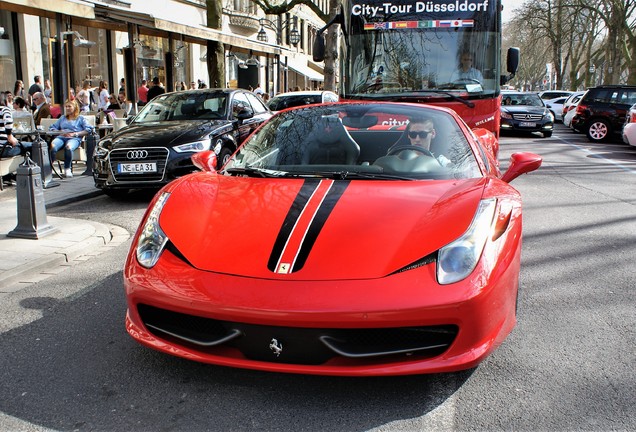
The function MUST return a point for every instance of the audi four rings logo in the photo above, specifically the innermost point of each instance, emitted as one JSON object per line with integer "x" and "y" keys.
{"x": 137, "y": 154}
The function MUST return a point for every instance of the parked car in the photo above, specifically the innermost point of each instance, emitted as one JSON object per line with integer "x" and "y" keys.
{"x": 629, "y": 130}
{"x": 551, "y": 94}
{"x": 525, "y": 112}
{"x": 602, "y": 110}
{"x": 556, "y": 107}
{"x": 569, "y": 107}
{"x": 156, "y": 146}
{"x": 298, "y": 98}
{"x": 330, "y": 245}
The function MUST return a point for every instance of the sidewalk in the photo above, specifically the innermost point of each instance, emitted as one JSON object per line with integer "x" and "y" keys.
{"x": 26, "y": 261}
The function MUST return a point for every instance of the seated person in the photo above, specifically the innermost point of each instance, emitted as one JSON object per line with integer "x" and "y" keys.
{"x": 507, "y": 101}
{"x": 9, "y": 144}
{"x": 466, "y": 71}
{"x": 75, "y": 127}
{"x": 419, "y": 133}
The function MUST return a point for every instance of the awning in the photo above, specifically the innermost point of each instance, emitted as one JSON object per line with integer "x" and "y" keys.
{"x": 306, "y": 71}
{"x": 75, "y": 8}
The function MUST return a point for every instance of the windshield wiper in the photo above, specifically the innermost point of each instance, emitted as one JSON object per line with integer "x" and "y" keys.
{"x": 410, "y": 95}
{"x": 450, "y": 95}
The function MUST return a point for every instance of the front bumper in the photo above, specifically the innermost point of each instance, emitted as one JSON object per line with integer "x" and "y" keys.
{"x": 239, "y": 322}
{"x": 629, "y": 134}
{"x": 165, "y": 165}
{"x": 526, "y": 126}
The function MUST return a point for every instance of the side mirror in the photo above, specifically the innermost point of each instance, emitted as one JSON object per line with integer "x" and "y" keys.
{"x": 245, "y": 114}
{"x": 205, "y": 160}
{"x": 512, "y": 60}
{"x": 319, "y": 48}
{"x": 512, "y": 64}
{"x": 521, "y": 163}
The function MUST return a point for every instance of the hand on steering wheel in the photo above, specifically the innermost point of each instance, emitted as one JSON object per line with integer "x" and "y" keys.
{"x": 401, "y": 148}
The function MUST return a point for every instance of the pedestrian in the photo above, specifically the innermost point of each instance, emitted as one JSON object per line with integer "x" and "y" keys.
{"x": 48, "y": 91}
{"x": 156, "y": 89}
{"x": 142, "y": 93}
{"x": 18, "y": 89}
{"x": 35, "y": 88}
{"x": 84, "y": 97}
{"x": 77, "y": 127}
{"x": 103, "y": 95}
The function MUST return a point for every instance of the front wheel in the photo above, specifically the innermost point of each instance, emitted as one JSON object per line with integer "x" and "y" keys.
{"x": 598, "y": 130}
{"x": 224, "y": 156}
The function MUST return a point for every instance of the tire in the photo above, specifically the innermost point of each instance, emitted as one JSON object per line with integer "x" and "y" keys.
{"x": 547, "y": 134}
{"x": 224, "y": 156}
{"x": 598, "y": 130}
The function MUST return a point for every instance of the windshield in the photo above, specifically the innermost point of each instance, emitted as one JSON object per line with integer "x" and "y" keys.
{"x": 184, "y": 106}
{"x": 358, "y": 140}
{"x": 414, "y": 48}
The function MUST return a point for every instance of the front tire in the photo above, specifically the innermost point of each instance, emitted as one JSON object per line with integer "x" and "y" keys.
{"x": 598, "y": 130}
{"x": 224, "y": 156}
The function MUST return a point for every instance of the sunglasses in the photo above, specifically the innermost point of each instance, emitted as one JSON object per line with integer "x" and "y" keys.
{"x": 422, "y": 134}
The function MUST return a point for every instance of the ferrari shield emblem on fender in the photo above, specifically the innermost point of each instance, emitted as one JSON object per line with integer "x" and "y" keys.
{"x": 276, "y": 347}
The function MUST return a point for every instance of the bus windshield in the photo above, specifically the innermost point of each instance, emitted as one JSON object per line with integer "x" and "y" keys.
{"x": 415, "y": 49}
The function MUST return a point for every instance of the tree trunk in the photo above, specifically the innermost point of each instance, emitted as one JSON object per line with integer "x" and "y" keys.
{"x": 216, "y": 50}
{"x": 331, "y": 51}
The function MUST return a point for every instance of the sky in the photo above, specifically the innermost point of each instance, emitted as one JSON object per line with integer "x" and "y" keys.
{"x": 509, "y": 7}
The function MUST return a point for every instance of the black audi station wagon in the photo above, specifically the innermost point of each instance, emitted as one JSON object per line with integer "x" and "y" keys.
{"x": 156, "y": 145}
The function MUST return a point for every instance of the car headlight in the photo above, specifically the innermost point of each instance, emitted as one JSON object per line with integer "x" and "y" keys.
{"x": 458, "y": 259}
{"x": 195, "y": 146}
{"x": 506, "y": 115}
{"x": 152, "y": 239}
{"x": 550, "y": 116}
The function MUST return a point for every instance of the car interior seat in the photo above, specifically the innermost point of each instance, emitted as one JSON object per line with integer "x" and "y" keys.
{"x": 330, "y": 143}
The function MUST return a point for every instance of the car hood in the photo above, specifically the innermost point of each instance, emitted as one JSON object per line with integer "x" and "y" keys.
{"x": 270, "y": 228}
{"x": 166, "y": 134}
{"x": 514, "y": 109}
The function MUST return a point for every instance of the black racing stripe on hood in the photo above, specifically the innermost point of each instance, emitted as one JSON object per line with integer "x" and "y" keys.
{"x": 306, "y": 191}
{"x": 333, "y": 196}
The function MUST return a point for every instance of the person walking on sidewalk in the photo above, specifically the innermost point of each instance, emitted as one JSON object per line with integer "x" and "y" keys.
{"x": 75, "y": 127}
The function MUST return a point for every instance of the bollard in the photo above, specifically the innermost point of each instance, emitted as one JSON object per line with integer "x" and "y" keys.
{"x": 92, "y": 139}
{"x": 41, "y": 158}
{"x": 32, "y": 223}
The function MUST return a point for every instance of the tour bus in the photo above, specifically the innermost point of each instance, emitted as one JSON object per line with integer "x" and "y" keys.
{"x": 443, "y": 52}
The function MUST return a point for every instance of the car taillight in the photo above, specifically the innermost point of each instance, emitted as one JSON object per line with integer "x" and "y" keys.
{"x": 632, "y": 116}
{"x": 580, "y": 108}
{"x": 565, "y": 110}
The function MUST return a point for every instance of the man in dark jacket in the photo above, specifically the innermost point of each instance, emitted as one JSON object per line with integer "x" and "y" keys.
{"x": 42, "y": 108}
{"x": 156, "y": 89}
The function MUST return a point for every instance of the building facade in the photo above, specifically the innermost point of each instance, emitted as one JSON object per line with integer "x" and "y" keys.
{"x": 70, "y": 41}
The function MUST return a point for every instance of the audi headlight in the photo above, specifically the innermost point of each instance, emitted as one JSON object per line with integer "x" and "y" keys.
{"x": 459, "y": 258}
{"x": 152, "y": 239}
{"x": 506, "y": 115}
{"x": 195, "y": 146}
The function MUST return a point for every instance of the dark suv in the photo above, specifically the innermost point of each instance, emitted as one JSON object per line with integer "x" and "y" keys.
{"x": 601, "y": 112}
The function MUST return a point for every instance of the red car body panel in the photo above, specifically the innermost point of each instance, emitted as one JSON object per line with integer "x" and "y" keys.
{"x": 372, "y": 264}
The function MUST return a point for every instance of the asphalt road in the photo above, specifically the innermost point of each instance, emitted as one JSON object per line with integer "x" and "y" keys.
{"x": 66, "y": 362}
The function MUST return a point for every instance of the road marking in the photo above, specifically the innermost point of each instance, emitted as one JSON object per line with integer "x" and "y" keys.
{"x": 598, "y": 156}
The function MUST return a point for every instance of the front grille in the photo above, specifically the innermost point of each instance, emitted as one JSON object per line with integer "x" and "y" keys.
{"x": 527, "y": 117}
{"x": 158, "y": 155}
{"x": 297, "y": 345}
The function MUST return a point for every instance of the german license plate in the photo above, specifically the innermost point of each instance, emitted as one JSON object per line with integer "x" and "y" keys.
{"x": 527, "y": 124}
{"x": 137, "y": 168}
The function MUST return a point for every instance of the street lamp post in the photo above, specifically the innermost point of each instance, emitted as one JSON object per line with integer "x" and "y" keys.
{"x": 277, "y": 27}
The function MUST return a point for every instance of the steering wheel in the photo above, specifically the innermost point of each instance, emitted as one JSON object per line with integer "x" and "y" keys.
{"x": 403, "y": 147}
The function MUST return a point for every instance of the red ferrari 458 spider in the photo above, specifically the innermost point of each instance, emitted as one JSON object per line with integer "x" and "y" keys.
{"x": 340, "y": 239}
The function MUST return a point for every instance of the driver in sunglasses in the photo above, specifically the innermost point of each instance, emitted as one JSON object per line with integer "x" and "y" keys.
{"x": 419, "y": 132}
